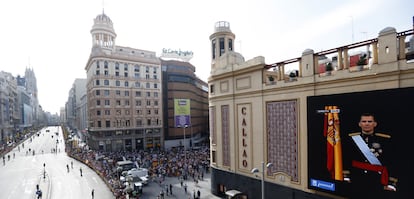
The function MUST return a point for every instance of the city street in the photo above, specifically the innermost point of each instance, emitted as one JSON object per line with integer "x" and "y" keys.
{"x": 20, "y": 175}
{"x": 48, "y": 168}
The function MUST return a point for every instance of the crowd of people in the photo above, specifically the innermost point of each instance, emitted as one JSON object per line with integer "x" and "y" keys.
{"x": 160, "y": 163}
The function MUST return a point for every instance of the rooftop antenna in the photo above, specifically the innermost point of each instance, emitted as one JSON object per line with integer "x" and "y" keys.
{"x": 103, "y": 6}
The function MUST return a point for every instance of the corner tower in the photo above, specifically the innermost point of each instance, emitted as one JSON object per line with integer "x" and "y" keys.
{"x": 103, "y": 33}
{"x": 222, "y": 41}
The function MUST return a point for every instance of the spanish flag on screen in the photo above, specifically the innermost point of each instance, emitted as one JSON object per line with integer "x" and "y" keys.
{"x": 333, "y": 142}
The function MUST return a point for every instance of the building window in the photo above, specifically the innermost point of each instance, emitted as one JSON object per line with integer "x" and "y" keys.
{"x": 117, "y": 73}
{"x": 136, "y": 68}
{"x": 126, "y": 93}
{"x": 148, "y": 94}
{"x": 155, "y": 85}
{"x": 213, "y": 156}
{"x": 118, "y": 93}
{"x": 155, "y": 102}
{"x": 97, "y": 92}
{"x": 139, "y": 112}
{"x": 126, "y": 84}
{"x": 136, "y": 75}
{"x": 118, "y": 112}
{"x": 155, "y": 94}
{"x": 148, "y": 102}
{"x": 116, "y": 66}
{"x": 213, "y": 48}
{"x": 106, "y": 82}
{"x": 155, "y": 70}
{"x": 97, "y": 72}
{"x": 107, "y": 123}
{"x": 230, "y": 45}
{"x": 147, "y": 76}
{"x": 156, "y": 111}
{"x": 126, "y": 112}
{"x": 148, "y": 122}
{"x": 106, "y": 92}
{"x": 106, "y": 73}
{"x": 97, "y": 82}
{"x": 137, "y": 93}
{"x": 211, "y": 88}
{"x": 107, "y": 102}
{"x": 106, "y": 64}
{"x": 147, "y": 85}
{"x": 118, "y": 102}
{"x": 125, "y": 67}
{"x": 138, "y": 103}
{"x": 99, "y": 124}
{"x": 117, "y": 83}
{"x": 137, "y": 84}
{"x": 107, "y": 112}
{"x": 126, "y": 102}
{"x": 97, "y": 64}
{"x": 147, "y": 69}
{"x": 126, "y": 74}
{"x": 98, "y": 102}
{"x": 98, "y": 112}
{"x": 149, "y": 111}
{"x": 221, "y": 43}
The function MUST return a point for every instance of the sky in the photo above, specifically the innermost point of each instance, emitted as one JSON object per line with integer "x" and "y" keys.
{"x": 53, "y": 38}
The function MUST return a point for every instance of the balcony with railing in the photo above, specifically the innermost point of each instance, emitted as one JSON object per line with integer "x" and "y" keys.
{"x": 389, "y": 52}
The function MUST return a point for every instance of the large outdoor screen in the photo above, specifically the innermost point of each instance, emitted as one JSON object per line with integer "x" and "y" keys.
{"x": 347, "y": 159}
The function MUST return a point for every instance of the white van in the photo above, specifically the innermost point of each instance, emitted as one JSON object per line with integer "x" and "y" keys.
{"x": 125, "y": 165}
{"x": 143, "y": 180}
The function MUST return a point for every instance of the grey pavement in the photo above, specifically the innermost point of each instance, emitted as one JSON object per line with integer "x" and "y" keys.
{"x": 44, "y": 185}
{"x": 153, "y": 189}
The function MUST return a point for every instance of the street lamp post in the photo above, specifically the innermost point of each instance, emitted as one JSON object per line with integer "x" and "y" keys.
{"x": 185, "y": 152}
{"x": 256, "y": 170}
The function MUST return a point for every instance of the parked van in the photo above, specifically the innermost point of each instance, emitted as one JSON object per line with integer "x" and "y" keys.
{"x": 137, "y": 174}
{"x": 125, "y": 165}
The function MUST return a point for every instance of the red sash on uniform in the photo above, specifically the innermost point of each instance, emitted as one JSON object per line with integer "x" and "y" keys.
{"x": 371, "y": 167}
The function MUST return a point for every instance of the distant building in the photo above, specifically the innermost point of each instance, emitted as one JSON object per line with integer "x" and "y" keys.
{"x": 75, "y": 121}
{"x": 124, "y": 93}
{"x": 8, "y": 107}
{"x": 180, "y": 82}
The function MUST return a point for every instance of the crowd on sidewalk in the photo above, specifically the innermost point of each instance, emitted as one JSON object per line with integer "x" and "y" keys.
{"x": 160, "y": 163}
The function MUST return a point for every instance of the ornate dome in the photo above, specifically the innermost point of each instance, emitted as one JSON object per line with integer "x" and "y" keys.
{"x": 103, "y": 18}
{"x": 103, "y": 23}
{"x": 103, "y": 33}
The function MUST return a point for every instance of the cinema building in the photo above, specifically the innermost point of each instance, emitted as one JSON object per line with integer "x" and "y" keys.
{"x": 274, "y": 123}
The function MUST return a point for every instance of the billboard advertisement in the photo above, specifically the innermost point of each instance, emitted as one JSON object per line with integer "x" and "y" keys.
{"x": 359, "y": 144}
{"x": 182, "y": 112}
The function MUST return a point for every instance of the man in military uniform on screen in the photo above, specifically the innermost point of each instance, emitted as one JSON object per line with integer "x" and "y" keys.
{"x": 369, "y": 172}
